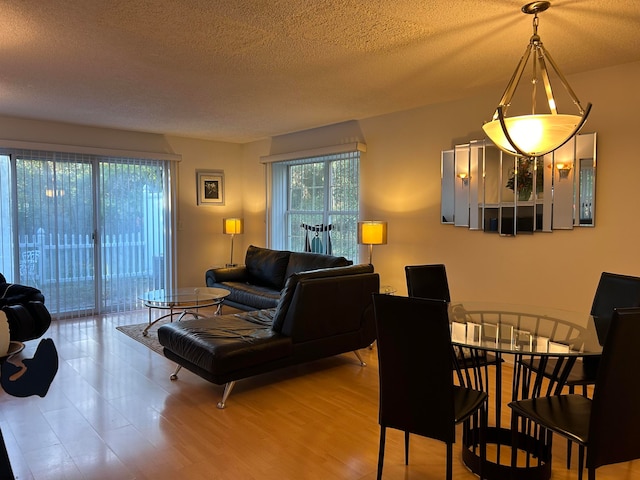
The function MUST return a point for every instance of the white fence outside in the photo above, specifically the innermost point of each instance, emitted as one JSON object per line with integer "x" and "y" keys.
{"x": 47, "y": 258}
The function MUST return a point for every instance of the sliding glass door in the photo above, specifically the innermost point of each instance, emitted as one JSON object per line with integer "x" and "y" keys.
{"x": 89, "y": 231}
{"x": 54, "y": 227}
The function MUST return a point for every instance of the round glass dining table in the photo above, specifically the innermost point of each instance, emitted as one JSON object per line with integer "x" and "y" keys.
{"x": 537, "y": 339}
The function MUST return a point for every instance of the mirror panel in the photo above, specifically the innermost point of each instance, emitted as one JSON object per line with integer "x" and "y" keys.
{"x": 447, "y": 177}
{"x": 507, "y": 195}
{"x": 547, "y": 204}
{"x": 461, "y": 186}
{"x": 586, "y": 180}
{"x": 492, "y": 180}
{"x": 563, "y": 171}
{"x": 485, "y": 189}
{"x": 476, "y": 153}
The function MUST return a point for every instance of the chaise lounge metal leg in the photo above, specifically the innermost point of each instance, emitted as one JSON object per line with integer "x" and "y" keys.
{"x": 227, "y": 390}
{"x": 362, "y": 363}
{"x": 174, "y": 375}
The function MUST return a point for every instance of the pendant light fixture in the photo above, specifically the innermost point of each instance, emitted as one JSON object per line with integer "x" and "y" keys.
{"x": 538, "y": 133}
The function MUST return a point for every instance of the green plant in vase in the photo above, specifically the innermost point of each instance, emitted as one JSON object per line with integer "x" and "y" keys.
{"x": 521, "y": 178}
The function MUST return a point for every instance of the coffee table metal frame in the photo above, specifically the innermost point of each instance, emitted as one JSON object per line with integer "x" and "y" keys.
{"x": 182, "y": 301}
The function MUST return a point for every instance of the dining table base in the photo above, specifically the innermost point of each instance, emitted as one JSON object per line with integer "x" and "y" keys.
{"x": 498, "y": 463}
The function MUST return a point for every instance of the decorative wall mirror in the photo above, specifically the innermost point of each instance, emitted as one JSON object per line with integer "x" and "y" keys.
{"x": 486, "y": 189}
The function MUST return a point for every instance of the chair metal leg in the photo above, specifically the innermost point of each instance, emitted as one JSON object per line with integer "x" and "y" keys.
{"x": 383, "y": 433}
{"x": 174, "y": 375}
{"x": 362, "y": 363}
{"x": 227, "y": 390}
{"x": 449, "y": 461}
{"x": 406, "y": 448}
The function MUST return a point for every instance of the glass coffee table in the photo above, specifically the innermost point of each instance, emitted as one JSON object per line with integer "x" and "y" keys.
{"x": 182, "y": 301}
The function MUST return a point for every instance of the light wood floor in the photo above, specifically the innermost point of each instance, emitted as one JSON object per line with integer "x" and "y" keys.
{"x": 113, "y": 413}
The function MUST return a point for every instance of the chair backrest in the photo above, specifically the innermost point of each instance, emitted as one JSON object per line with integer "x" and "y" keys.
{"x": 415, "y": 366}
{"x": 427, "y": 281}
{"x": 613, "y": 291}
{"x": 615, "y": 414}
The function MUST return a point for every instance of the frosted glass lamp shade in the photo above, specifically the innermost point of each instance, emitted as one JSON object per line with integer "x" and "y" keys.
{"x": 534, "y": 135}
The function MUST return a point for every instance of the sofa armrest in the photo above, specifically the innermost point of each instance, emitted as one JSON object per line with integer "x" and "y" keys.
{"x": 226, "y": 274}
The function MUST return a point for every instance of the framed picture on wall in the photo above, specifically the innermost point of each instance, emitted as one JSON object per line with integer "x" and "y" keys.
{"x": 210, "y": 187}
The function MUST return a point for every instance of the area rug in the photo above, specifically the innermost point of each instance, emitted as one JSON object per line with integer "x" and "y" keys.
{"x": 151, "y": 340}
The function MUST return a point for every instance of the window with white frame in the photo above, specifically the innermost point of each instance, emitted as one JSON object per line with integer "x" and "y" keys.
{"x": 318, "y": 190}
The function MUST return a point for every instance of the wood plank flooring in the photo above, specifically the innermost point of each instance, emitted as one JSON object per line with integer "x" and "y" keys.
{"x": 113, "y": 413}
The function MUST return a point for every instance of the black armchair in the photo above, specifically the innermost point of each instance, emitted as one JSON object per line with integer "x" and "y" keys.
{"x": 608, "y": 425}
{"x": 417, "y": 392}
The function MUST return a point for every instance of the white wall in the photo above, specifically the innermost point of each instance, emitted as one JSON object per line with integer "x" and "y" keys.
{"x": 201, "y": 243}
{"x": 400, "y": 183}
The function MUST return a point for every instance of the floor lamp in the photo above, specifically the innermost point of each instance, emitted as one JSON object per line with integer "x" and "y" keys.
{"x": 372, "y": 232}
{"x": 233, "y": 227}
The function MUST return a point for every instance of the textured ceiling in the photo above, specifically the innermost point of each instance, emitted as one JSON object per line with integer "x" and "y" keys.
{"x": 240, "y": 70}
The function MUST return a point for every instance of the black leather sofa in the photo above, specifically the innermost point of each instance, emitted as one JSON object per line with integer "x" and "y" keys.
{"x": 257, "y": 284}
{"x": 320, "y": 313}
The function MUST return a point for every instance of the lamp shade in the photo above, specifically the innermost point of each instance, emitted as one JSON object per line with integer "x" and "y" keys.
{"x": 232, "y": 226}
{"x": 372, "y": 232}
{"x": 533, "y": 135}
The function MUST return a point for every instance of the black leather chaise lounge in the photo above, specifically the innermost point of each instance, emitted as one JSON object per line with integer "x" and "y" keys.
{"x": 320, "y": 313}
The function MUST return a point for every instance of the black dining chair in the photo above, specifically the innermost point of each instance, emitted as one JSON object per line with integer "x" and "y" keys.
{"x": 430, "y": 281}
{"x": 607, "y": 425}
{"x": 613, "y": 291}
{"x": 417, "y": 391}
